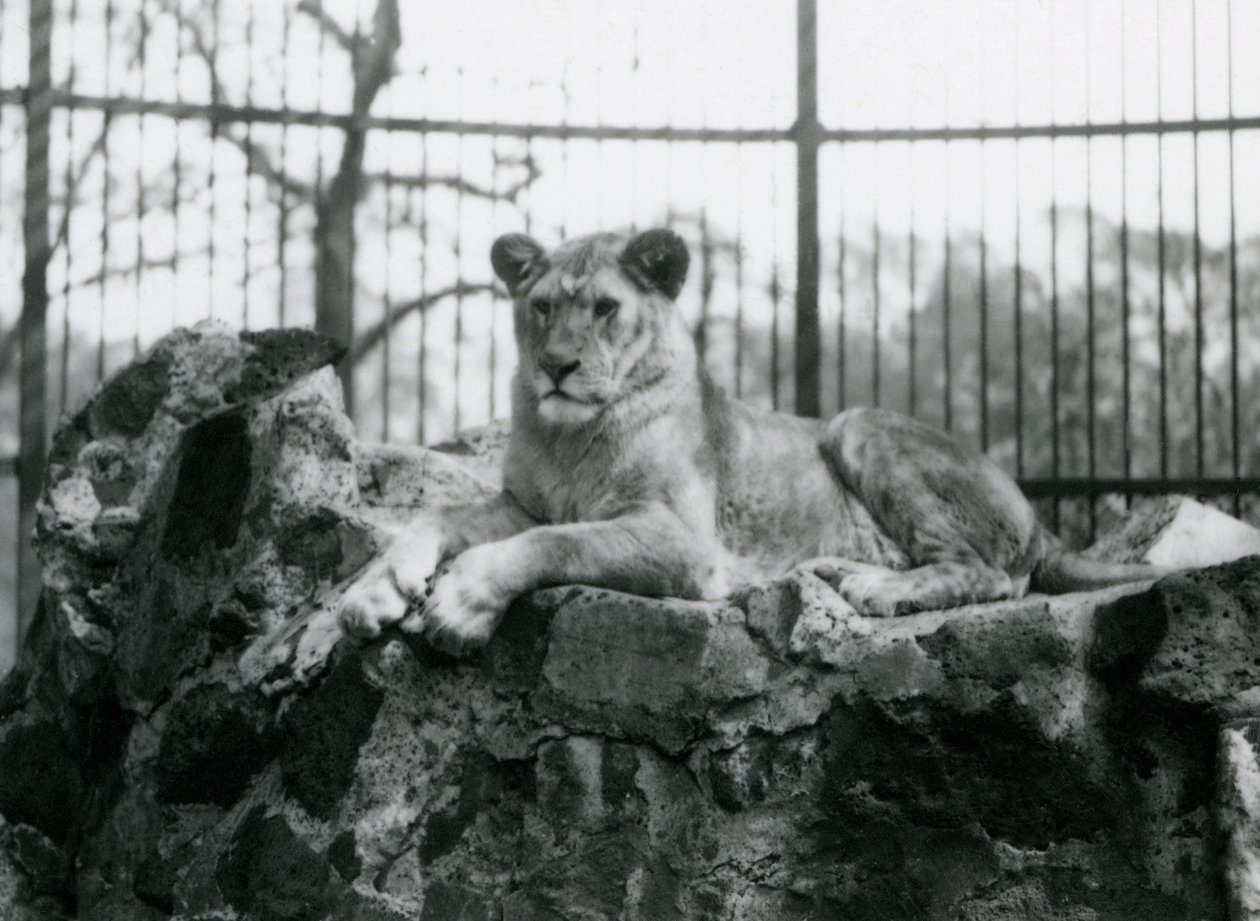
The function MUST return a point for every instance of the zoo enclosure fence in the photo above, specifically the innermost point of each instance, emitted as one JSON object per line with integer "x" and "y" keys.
{"x": 206, "y": 188}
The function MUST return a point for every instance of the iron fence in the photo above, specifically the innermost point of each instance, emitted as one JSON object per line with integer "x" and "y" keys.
{"x": 1039, "y": 277}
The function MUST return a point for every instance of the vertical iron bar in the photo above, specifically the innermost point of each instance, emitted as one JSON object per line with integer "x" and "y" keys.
{"x": 67, "y": 207}
{"x": 494, "y": 297}
{"x": 1160, "y": 248}
{"x": 739, "y": 265}
{"x": 1235, "y": 446}
{"x": 1054, "y": 324}
{"x": 1018, "y": 331}
{"x": 1018, "y": 334}
{"x": 140, "y": 204}
{"x": 807, "y": 133}
{"x": 912, "y": 344}
{"x": 1198, "y": 248}
{"x": 387, "y": 339}
{"x": 1090, "y": 345}
{"x": 105, "y": 190}
{"x": 422, "y": 370}
{"x": 319, "y": 196}
{"x": 775, "y": 292}
{"x": 842, "y": 326}
{"x": 1126, "y": 419}
{"x": 706, "y": 284}
{"x": 213, "y": 65}
{"x": 459, "y": 264}
{"x": 875, "y": 307}
{"x": 1054, "y": 286}
{"x": 984, "y": 312}
{"x": 177, "y": 160}
{"x": 282, "y": 230}
{"x": 634, "y": 156}
{"x": 739, "y": 314}
{"x": 33, "y": 409}
{"x": 946, "y": 295}
{"x": 249, "y": 172}
{"x": 1090, "y": 381}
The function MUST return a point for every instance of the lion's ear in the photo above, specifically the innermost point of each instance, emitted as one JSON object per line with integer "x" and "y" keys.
{"x": 660, "y": 257}
{"x": 513, "y": 255}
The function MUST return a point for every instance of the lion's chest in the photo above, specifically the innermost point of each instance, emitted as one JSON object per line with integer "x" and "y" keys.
{"x": 566, "y": 497}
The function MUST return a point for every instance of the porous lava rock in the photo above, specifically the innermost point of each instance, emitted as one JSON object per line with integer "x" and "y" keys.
{"x": 188, "y": 735}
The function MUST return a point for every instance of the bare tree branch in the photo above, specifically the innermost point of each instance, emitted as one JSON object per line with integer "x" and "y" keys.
{"x": 260, "y": 164}
{"x": 315, "y": 9}
{"x": 257, "y": 156}
{"x": 373, "y": 67}
{"x": 75, "y": 177}
{"x": 366, "y": 341}
{"x": 374, "y": 64}
{"x": 462, "y": 185}
{"x": 73, "y": 181}
{"x": 127, "y": 271}
{"x": 458, "y": 183}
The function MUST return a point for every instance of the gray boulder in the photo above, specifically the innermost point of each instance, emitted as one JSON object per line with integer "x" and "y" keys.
{"x": 187, "y": 735}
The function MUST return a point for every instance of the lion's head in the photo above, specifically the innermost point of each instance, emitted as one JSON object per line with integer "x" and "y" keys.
{"x": 594, "y": 317}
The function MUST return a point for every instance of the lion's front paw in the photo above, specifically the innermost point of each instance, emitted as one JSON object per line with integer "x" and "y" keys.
{"x": 463, "y": 608}
{"x": 372, "y": 603}
{"x": 382, "y": 596}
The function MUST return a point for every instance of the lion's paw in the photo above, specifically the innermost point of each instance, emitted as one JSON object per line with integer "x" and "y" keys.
{"x": 833, "y": 569}
{"x": 382, "y": 596}
{"x": 875, "y": 594}
{"x": 372, "y": 603}
{"x": 463, "y": 608}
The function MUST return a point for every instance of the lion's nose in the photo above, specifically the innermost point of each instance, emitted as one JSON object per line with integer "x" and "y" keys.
{"x": 558, "y": 368}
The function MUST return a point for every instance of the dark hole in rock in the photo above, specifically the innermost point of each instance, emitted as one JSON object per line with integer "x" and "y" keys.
{"x": 70, "y": 438}
{"x": 320, "y": 736}
{"x": 269, "y": 873}
{"x": 342, "y": 856}
{"x": 281, "y": 356}
{"x": 210, "y": 489}
{"x": 126, "y": 404}
{"x": 212, "y": 748}
{"x": 42, "y": 781}
{"x": 155, "y": 881}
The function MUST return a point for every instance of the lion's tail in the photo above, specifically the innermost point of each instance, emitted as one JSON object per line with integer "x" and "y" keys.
{"x": 1061, "y": 571}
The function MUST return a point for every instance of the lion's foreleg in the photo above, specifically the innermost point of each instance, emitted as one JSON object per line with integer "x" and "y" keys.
{"x": 395, "y": 582}
{"x": 648, "y": 551}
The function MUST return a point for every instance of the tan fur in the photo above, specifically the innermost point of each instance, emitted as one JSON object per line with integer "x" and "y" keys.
{"x": 633, "y": 472}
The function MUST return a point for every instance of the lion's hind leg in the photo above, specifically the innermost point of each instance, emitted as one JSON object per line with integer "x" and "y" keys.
{"x": 967, "y": 532}
{"x": 881, "y": 592}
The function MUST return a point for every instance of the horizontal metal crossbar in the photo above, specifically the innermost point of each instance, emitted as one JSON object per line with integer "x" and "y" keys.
{"x": 1069, "y": 488}
{"x": 221, "y": 113}
{"x": 1050, "y": 488}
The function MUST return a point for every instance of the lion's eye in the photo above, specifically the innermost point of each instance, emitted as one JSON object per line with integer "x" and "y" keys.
{"x": 542, "y": 308}
{"x": 605, "y": 306}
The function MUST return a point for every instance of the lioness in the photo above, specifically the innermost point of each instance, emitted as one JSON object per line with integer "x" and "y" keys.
{"x": 628, "y": 468}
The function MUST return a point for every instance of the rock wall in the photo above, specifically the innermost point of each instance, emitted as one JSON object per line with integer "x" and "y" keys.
{"x": 186, "y": 735}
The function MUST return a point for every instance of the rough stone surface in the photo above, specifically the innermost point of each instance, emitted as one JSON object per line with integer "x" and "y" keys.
{"x": 187, "y": 735}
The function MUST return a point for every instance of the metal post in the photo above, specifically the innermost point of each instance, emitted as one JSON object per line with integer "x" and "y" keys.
{"x": 33, "y": 398}
{"x": 807, "y": 133}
